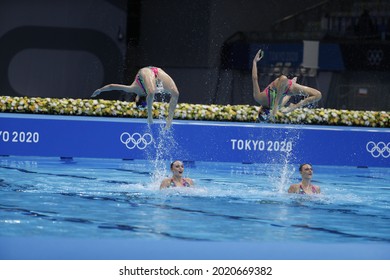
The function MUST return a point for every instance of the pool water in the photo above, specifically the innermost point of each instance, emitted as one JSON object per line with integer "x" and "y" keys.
{"x": 112, "y": 198}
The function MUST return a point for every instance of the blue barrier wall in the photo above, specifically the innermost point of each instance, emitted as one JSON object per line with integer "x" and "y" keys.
{"x": 125, "y": 138}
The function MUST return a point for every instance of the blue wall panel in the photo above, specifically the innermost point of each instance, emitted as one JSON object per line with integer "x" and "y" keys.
{"x": 98, "y": 137}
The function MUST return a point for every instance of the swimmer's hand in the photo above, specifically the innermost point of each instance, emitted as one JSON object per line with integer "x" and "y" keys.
{"x": 96, "y": 93}
{"x": 259, "y": 55}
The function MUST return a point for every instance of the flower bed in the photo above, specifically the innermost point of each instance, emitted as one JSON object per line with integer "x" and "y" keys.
{"x": 239, "y": 113}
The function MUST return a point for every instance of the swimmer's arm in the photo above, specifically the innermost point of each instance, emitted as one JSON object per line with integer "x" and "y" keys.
{"x": 304, "y": 102}
{"x": 312, "y": 96}
{"x": 300, "y": 104}
{"x": 255, "y": 78}
{"x": 111, "y": 87}
{"x": 254, "y": 69}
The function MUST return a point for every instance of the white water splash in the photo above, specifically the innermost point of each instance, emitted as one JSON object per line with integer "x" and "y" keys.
{"x": 282, "y": 176}
{"x": 164, "y": 146}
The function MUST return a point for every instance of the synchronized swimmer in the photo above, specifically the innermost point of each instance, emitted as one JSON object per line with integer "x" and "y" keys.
{"x": 149, "y": 81}
{"x": 177, "y": 179}
{"x": 276, "y": 95}
{"x": 305, "y": 186}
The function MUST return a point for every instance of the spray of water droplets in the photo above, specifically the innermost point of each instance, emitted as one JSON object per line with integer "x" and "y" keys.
{"x": 164, "y": 147}
{"x": 282, "y": 173}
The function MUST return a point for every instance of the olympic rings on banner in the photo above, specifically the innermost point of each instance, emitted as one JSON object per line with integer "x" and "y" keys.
{"x": 378, "y": 149}
{"x": 136, "y": 140}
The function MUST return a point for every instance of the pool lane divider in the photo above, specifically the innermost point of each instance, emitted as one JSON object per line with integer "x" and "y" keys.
{"x": 127, "y": 138}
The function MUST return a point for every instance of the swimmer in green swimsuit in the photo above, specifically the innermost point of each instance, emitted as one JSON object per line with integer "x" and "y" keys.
{"x": 149, "y": 81}
{"x": 276, "y": 95}
{"x": 305, "y": 186}
{"x": 177, "y": 179}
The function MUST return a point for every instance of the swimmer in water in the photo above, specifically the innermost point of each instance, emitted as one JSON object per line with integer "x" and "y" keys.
{"x": 177, "y": 179}
{"x": 149, "y": 81}
{"x": 276, "y": 95}
{"x": 305, "y": 186}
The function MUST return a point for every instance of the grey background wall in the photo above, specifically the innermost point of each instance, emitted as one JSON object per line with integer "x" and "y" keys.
{"x": 62, "y": 47}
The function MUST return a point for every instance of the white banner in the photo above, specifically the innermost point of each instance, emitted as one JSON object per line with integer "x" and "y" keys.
{"x": 194, "y": 269}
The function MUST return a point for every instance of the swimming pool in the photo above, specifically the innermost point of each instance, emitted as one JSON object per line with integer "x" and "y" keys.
{"x": 232, "y": 202}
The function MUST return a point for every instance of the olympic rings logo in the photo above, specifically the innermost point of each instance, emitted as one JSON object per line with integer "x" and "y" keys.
{"x": 136, "y": 140}
{"x": 378, "y": 149}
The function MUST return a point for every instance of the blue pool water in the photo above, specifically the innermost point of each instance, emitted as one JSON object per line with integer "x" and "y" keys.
{"x": 232, "y": 202}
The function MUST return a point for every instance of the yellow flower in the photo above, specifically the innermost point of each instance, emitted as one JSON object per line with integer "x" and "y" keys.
{"x": 228, "y": 112}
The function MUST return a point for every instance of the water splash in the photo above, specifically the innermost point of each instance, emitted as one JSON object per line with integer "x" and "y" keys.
{"x": 283, "y": 170}
{"x": 164, "y": 147}
{"x": 281, "y": 176}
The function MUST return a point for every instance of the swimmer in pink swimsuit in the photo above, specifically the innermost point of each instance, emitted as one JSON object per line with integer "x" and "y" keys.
{"x": 302, "y": 190}
{"x": 305, "y": 186}
{"x": 177, "y": 179}
{"x": 149, "y": 81}
{"x": 276, "y": 95}
{"x": 183, "y": 183}
{"x": 139, "y": 79}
